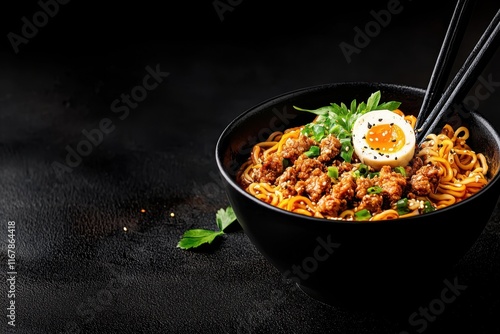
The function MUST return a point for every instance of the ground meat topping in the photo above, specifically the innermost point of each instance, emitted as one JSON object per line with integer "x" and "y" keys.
{"x": 425, "y": 180}
{"x": 372, "y": 203}
{"x": 293, "y": 148}
{"x": 340, "y": 195}
{"x": 330, "y": 205}
{"x": 271, "y": 168}
{"x": 329, "y": 148}
{"x": 317, "y": 185}
{"x": 392, "y": 184}
{"x": 305, "y": 166}
{"x": 362, "y": 184}
{"x": 287, "y": 181}
{"x": 415, "y": 164}
{"x": 345, "y": 188}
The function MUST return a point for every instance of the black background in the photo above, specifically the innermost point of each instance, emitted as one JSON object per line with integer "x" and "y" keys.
{"x": 78, "y": 270}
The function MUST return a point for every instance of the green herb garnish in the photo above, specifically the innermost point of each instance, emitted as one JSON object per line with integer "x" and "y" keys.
{"x": 402, "y": 206}
{"x": 374, "y": 190}
{"x": 400, "y": 170}
{"x": 339, "y": 119}
{"x": 196, "y": 237}
{"x": 428, "y": 207}
{"x": 333, "y": 172}
{"x": 361, "y": 171}
{"x": 313, "y": 152}
{"x": 363, "y": 214}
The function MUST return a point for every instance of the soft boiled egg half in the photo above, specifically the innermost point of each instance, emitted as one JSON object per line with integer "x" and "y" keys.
{"x": 383, "y": 137}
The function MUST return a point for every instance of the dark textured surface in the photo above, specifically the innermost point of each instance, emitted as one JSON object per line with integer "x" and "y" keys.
{"x": 78, "y": 270}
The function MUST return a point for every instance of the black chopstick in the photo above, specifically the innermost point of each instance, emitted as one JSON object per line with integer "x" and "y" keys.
{"x": 464, "y": 79}
{"x": 447, "y": 54}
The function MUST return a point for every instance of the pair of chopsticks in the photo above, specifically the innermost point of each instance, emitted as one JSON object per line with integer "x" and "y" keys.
{"x": 438, "y": 101}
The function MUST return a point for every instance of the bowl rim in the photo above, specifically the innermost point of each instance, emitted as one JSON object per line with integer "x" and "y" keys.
{"x": 316, "y": 220}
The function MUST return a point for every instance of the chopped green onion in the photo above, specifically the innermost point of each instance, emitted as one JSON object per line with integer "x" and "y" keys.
{"x": 285, "y": 163}
{"x": 363, "y": 169}
{"x": 402, "y": 206}
{"x": 333, "y": 172}
{"x": 363, "y": 214}
{"x": 428, "y": 207}
{"x": 400, "y": 170}
{"x": 374, "y": 190}
{"x": 373, "y": 174}
{"x": 313, "y": 152}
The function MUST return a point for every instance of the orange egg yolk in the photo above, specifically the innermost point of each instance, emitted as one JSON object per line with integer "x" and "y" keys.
{"x": 387, "y": 138}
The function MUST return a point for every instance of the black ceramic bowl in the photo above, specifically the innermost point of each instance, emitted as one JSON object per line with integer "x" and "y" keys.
{"x": 355, "y": 263}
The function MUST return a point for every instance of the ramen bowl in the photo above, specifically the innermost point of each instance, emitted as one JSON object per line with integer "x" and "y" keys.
{"x": 352, "y": 263}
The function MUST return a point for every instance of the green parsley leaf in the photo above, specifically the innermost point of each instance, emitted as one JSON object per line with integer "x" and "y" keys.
{"x": 224, "y": 218}
{"x": 318, "y": 131}
{"x": 392, "y": 105}
{"x": 373, "y": 101}
{"x": 197, "y": 237}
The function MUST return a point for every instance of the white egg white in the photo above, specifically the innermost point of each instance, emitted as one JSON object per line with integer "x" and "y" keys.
{"x": 375, "y": 158}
